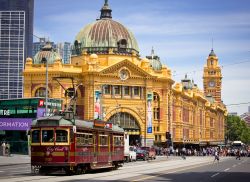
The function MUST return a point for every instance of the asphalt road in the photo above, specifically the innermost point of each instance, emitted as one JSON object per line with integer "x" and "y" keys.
{"x": 193, "y": 169}
{"x": 231, "y": 170}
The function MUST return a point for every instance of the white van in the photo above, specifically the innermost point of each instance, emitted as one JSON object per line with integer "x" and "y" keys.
{"x": 129, "y": 152}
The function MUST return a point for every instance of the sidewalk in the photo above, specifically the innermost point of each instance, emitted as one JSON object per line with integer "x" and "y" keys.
{"x": 14, "y": 159}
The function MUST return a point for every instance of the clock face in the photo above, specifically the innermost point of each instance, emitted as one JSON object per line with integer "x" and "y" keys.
{"x": 123, "y": 74}
{"x": 211, "y": 84}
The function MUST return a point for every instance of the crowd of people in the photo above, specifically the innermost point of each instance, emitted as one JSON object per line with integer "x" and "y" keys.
{"x": 204, "y": 151}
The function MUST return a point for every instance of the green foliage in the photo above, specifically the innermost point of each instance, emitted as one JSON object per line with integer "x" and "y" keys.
{"x": 237, "y": 129}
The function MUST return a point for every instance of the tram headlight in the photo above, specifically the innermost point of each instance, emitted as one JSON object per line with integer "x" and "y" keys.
{"x": 47, "y": 153}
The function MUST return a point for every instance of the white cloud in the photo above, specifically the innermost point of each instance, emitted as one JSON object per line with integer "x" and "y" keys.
{"x": 186, "y": 24}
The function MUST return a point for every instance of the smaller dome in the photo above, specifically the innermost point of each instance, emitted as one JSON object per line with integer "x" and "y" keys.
{"x": 212, "y": 53}
{"x": 154, "y": 60}
{"x": 47, "y": 53}
{"x": 156, "y": 64}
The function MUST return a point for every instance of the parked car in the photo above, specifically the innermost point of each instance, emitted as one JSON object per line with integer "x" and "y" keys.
{"x": 141, "y": 154}
{"x": 151, "y": 152}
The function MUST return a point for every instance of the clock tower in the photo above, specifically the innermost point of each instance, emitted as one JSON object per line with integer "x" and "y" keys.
{"x": 212, "y": 77}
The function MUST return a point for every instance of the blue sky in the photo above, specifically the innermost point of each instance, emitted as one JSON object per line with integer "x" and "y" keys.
{"x": 181, "y": 32}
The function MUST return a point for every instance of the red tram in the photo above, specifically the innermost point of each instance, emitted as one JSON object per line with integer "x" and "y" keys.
{"x": 59, "y": 143}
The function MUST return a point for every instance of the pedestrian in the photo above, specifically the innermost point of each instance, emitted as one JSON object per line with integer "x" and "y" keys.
{"x": 216, "y": 156}
{"x": 3, "y": 147}
{"x": 238, "y": 154}
{"x": 7, "y": 149}
{"x": 183, "y": 153}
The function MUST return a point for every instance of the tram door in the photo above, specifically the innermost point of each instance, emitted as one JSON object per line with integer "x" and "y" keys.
{"x": 95, "y": 144}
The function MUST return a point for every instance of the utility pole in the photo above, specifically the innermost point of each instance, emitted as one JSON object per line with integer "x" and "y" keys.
{"x": 44, "y": 60}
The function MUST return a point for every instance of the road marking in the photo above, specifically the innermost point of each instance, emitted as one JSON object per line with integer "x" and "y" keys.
{"x": 1, "y": 171}
{"x": 214, "y": 175}
{"x": 143, "y": 179}
{"x": 227, "y": 169}
{"x": 234, "y": 165}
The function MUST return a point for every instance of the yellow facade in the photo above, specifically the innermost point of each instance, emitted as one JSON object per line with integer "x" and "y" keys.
{"x": 131, "y": 93}
{"x": 186, "y": 113}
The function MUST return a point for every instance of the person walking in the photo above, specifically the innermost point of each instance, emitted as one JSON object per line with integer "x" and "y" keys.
{"x": 7, "y": 149}
{"x": 183, "y": 153}
{"x": 238, "y": 154}
{"x": 3, "y": 147}
{"x": 216, "y": 156}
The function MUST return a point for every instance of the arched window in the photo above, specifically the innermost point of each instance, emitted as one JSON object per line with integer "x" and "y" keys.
{"x": 41, "y": 92}
{"x": 156, "y": 106}
{"x": 125, "y": 120}
{"x": 122, "y": 44}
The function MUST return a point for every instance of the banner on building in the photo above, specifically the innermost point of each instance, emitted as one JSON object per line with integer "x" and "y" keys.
{"x": 97, "y": 105}
{"x": 15, "y": 123}
{"x": 149, "y": 112}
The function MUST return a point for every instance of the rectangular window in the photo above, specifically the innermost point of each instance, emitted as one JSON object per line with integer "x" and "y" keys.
{"x": 48, "y": 136}
{"x": 211, "y": 135}
{"x": 84, "y": 139}
{"x": 185, "y": 134}
{"x": 156, "y": 113}
{"x": 211, "y": 122}
{"x": 185, "y": 115}
{"x": 157, "y": 128}
{"x": 106, "y": 89}
{"x": 117, "y": 90}
{"x": 156, "y": 97}
{"x": 61, "y": 136}
{"x": 103, "y": 140}
{"x": 126, "y": 90}
{"x": 136, "y": 91}
{"x": 35, "y": 136}
{"x": 118, "y": 141}
{"x": 201, "y": 117}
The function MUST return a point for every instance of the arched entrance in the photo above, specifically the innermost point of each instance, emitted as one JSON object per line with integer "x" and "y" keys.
{"x": 129, "y": 124}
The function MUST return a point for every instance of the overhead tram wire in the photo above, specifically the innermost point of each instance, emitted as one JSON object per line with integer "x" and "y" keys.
{"x": 222, "y": 66}
{"x": 237, "y": 104}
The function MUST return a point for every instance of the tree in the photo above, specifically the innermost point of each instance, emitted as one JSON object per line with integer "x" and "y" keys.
{"x": 237, "y": 129}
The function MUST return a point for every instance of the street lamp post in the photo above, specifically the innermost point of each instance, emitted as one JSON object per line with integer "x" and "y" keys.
{"x": 44, "y": 60}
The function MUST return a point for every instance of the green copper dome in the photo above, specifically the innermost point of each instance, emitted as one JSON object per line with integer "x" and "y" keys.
{"x": 212, "y": 53}
{"x": 104, "y": 35}
{"x": 47, "y": 53}
{"x": 154, "y": 61}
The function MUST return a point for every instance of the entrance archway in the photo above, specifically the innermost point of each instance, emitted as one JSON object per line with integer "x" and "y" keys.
{"x": 129, "y": 124}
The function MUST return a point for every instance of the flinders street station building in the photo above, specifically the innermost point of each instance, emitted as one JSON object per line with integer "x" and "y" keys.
{"x": 110, "y": 81}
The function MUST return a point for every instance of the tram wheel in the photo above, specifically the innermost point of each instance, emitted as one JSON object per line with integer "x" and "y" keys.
{"x": 84, "y": 169}
{"x": 43, "y": 170}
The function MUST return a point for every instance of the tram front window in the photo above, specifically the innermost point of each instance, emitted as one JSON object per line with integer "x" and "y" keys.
{"x": 35, "y": 136}
{"x": 47, "y": 135}
{"x": 61, "y": 136}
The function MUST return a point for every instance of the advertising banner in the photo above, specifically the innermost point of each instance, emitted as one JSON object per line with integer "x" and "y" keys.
{"x": 149, "y": 112}
{"x": 97, "y": 109}
{"x": 15, "y": 123}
